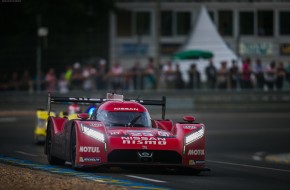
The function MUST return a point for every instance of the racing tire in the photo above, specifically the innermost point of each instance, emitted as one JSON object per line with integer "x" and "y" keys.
{"x": 73, "y": 147}
{"x": 51, "y": 159}
{"x": 36, "y": 141}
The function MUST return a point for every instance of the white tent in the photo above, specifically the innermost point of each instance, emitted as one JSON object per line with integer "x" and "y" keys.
{"x": 205, "y": 36}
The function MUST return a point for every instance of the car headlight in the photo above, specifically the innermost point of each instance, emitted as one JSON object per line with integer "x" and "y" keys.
{"x": 93, "y": 133}
{"x": 194, "y": 136}
{"x": 42, "y": 123}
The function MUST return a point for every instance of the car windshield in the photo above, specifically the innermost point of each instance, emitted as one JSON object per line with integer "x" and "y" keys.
{"x": 124, "y": 119}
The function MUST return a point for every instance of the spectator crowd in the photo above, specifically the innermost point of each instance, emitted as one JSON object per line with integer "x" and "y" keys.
{"x": 231, "y": 76}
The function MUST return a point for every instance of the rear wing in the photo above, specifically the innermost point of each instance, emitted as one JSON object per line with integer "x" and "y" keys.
{"x": 63, "y": 100}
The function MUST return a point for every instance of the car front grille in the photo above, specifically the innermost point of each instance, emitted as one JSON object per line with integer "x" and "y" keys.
{"x": 137, "y": 156}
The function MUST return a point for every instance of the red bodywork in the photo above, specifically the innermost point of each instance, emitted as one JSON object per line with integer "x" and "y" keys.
{"x": 165, "y": 143}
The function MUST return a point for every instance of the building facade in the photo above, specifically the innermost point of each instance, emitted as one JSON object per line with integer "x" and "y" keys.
{"x": 251, "y": 28}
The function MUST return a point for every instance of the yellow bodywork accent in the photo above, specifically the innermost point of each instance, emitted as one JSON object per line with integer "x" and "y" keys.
{"x": 40, "y": 131}
{"x": 73, "y": 116}
{"x": 70, "y": 116}
{"x": 41, "y": 114}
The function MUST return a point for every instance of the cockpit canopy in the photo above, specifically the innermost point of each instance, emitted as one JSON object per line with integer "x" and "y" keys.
{"x": 124, "y": 119}
{"x": 122, "y": 114}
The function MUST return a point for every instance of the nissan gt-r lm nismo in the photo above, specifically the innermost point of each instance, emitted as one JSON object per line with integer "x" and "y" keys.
{"x": 120, "y": 132}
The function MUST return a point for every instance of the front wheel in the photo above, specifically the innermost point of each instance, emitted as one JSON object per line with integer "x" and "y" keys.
{"x": 73, "y": 147}
{"x": 48, "y": 145}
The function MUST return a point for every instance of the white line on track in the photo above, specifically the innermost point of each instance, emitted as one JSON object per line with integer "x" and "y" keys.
{"x": 26, "y": 153}
{"x": 7, "y": 119}
{"x": 249, "y": 166}
{"x": 145, "y": 178}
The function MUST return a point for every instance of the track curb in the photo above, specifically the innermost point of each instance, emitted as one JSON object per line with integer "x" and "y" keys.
{"x": 83, "y": 175}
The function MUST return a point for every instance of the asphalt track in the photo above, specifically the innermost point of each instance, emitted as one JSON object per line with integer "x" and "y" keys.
{"x": 237, "y": 145}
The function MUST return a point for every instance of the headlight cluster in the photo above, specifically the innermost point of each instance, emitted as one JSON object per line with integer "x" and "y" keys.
{"x": 194, "y": 136}
{"x": 42, "y": 123}
{"x": 93, "y": 133}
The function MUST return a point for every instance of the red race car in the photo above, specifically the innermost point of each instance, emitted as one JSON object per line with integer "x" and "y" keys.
{"x": 120, "y": 132}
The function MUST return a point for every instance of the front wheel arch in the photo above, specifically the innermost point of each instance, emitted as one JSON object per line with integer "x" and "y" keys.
{"x": 48, "y": 146}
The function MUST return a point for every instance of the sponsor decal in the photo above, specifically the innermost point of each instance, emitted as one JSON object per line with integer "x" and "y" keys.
{"x": 141, "y": 134}
{"x": 89, "y": 149}
{"x": 134, "y": 131}
{"x": 89, "y": 159}
{"x": 95, "y": 124}
{"x": 126, "y": 109}
{"x": 144, "y": 147}
{"x": 163, "y": 134}
{"x": 194, "y": 162}
{"x": 115, "y": 133}
{"x": 80, "y": 99}
{"x": 200, "y": 162}
{"x": 191, "y": 127}
{"x": 144, "y": 140}
{"x": 191, "y": 162}
{"x": 196, "y": 152}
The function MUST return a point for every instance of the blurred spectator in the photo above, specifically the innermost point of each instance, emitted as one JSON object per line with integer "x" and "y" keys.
{"x": 63, "y": 84}
{"x": 41, "y": 82}
{"x": 194, "y": 77}
{"x": 211, "y": 74}
{"x": 270, "y": 75}
{"x": 50, "y": 81}
{"x": 288, "y": 72}
{"x": 137, "y": 76}
{"x": 3, "y": 81}
{"x": 101, "y": 74}
{"x": 246, "y": 72}
{"x": 258, "y": 71}
{"x": 76, "y": 77}
{"x": 281, "y": 75}
{"x": 150, "y": 75}
{"x": 234, "y": 75}
{"x": 13, "y": 82}
{"x": 90, "y": 78}
{"x": 179, "y": 83}
{"x": 223, "y": 76}
{"x": 25, "y": 83}
{"x": 115, "y": 75}
{"x": 169, "y": 73}
{"x": 68, "y": 73}
{"x": 88, "y": 75}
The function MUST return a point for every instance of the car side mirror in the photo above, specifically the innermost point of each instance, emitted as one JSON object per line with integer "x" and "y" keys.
{"x": 83, "y": 116}
{"x": 189, "y": 119}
